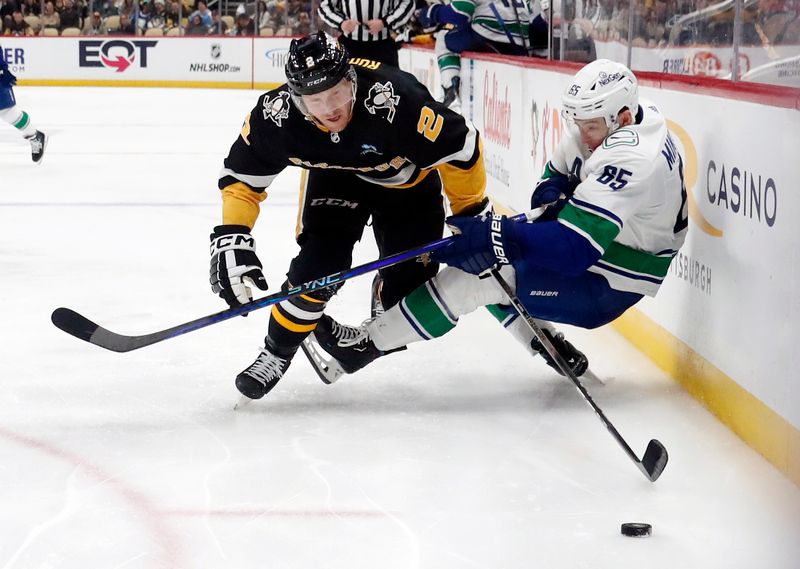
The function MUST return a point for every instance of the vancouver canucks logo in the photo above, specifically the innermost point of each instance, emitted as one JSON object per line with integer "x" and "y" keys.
{"x": 381, "y": 97}
{"x": 277, "y": 109}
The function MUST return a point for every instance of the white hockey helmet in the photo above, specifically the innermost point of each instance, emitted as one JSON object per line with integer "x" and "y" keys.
{"x": 601, "y": 89}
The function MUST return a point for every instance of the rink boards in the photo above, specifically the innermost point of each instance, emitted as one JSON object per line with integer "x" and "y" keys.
{"x": 725, "y": 320}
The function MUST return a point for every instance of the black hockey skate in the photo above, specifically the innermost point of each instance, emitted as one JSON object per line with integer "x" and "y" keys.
{"x": 451, "y": 98}
{"x": 262, "y": 375}
{"x": 351, "y": 346}
{"x": 38, "y": 144}
{"x": 575, "y": 359}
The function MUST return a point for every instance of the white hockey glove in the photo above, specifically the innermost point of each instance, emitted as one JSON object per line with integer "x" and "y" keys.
{"x": 234, "y": 264}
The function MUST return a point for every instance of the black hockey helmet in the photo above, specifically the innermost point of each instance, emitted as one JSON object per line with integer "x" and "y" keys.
{"x": 316, "y": 63}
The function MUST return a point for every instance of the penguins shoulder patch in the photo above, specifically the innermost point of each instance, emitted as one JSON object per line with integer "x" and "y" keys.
{"x": 381, "y": 97}
{"x": 277, "y": 108}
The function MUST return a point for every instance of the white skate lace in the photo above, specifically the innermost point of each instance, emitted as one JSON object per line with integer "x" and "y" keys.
{"x": 36, "y": 145}
{"x": 349, "y": 336}
{"x": 267, "y": 367}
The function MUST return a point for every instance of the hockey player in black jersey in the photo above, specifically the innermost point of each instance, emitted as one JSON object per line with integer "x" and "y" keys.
{"x": 377, "y": 145}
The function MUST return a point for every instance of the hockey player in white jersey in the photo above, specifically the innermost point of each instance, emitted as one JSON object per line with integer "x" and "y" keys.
{"x": 476, "y": 25}
{"x": 618, "y": 216}
{"x": 16, "y": 117}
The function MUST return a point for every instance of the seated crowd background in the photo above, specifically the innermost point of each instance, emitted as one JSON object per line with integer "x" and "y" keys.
{"x": 654, "y": 23}
{"x": 153, "y": 17}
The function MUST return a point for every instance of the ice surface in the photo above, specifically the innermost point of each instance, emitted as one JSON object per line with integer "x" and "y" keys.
{"x": 459, "y": 453}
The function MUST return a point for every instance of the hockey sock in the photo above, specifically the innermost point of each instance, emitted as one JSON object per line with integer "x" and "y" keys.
{"x": 291, "y": 321}
{"x": 19, "y": 119}
{"x": 512, "y": 322}
{"x": 449, "y": 63}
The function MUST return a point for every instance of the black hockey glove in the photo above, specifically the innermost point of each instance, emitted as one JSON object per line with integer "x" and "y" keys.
{"x": 483, "y": 208}
{"x": 234, "y": 264}
{"x": 479, "y": 244}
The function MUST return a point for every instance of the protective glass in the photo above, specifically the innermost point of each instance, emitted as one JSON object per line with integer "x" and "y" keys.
{"x": 338, "y": 96}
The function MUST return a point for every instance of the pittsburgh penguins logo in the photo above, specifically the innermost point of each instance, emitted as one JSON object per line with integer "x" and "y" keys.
{"x": 277, "y": 109}
{"x": 381, "y": 97}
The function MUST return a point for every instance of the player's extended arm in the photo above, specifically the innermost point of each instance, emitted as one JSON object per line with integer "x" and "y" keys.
{"x": 458, "y": 13}
{"x": 486, "y": 242}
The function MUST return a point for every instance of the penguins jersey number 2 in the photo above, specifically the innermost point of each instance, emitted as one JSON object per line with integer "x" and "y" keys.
{"x": 429, "y": 124}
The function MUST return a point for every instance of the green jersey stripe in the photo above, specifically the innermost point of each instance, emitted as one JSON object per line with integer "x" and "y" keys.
{"x": 427, "y": 313}
{"x": 462, "y": 7}
{"x": 637, "y": 261}
{"x": 601, "y": 230}
{"x": 514, "y": 28}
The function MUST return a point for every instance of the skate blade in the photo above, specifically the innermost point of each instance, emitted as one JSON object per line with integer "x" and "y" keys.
{"x": 327, "y": 367}
{"x": 242, "y": 403}
{"x": 591, "y": 376}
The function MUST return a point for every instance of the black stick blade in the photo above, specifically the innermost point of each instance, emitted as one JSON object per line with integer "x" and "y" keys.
{"x": 655, "y": 460}
{"x": 74, "y": 324}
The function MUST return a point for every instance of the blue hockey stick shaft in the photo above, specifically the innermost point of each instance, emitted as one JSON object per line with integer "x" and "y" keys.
{"x": 84, "y": 329}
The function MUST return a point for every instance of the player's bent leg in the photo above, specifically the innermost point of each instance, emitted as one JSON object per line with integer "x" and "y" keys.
{"x": 428, "y": 312}
{"x": 351, "y": 346}
{"x": 433, "y": 309}
{"x": 292, "y": 320}
{"x": 20, "y": 120}
{"x": 512, "y": 322}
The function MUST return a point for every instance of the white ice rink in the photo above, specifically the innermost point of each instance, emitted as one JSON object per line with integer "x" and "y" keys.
{"x": 460, "y": 453}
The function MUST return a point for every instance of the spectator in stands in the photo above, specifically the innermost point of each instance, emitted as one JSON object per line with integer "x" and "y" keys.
{"x": 94, "y": 25}
{"x": 218, "y": 25}
{"x": 7, "y": 8}
{"x": 262, "y": 17}
{"x": 145, "y": 12}
{"x": 158, "y": 16}
{"x": 31, "y": 8}
{"x": 775, "y": 22}
{"x": 128, "y": 7}
{"x": 50, "y": 18}
{"x": 173, "y": 15}
{"x": 293, "y": 10}
{"x": 244, "y": 26}
{"x": 196, "y": 26}
{"x": 303, "y": 26}
{"x": 70, "y": 16}
{"x": 277, "y": 15}
{"x": 126, "y": 25}
{"x": 16, "y": 25}
{"x": 204, "y": 13}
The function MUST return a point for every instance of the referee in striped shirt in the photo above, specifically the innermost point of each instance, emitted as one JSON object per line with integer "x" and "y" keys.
{"x": 366, "y": 25}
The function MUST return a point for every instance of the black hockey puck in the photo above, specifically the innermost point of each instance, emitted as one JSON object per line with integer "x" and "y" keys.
{"x": 634, "y": 529}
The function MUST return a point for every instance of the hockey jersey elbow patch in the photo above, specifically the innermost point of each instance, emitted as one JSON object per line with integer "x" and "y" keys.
{"x": 463, "y": 188}
{"x": 241, "y": 204}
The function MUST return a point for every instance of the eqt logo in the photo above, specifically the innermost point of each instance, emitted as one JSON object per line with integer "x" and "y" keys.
{"x": 116, "y": 54}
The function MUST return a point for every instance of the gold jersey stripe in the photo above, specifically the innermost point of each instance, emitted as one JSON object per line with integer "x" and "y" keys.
{"x": 289, "y": 325}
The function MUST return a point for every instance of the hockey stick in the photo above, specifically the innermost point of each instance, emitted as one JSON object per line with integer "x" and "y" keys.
{"x": 84, "y": 329}
{"x": 502, "y": 23}
{"x": 655, "y": 456}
